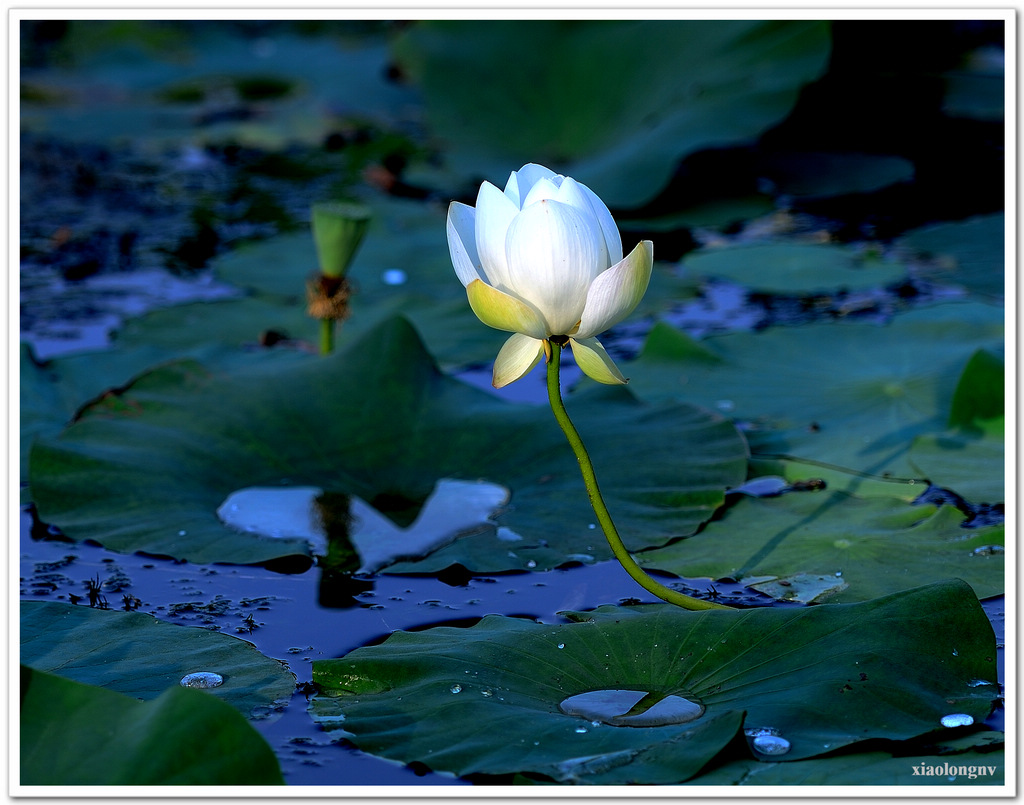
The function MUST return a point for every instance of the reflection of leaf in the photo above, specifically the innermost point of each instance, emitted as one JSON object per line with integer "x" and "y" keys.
{"x": 377, "y": 421}
{"x": 824, "y": 677}
{"x": 848, "y": 394}
{"x": 454, "y": 508}
{"x": 76, "y": 734}
{"x": 617, "y": 103}
{"x": 136, "y": 654}
{"x": 876, "y": 546}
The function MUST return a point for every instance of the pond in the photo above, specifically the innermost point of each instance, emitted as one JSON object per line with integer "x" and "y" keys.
{"x": 371, "y": 567}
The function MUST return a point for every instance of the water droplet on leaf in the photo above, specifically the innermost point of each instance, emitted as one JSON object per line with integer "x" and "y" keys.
{"x": 957, "y": 720}
{"x": 202, "y": 679}
{"x": 456, "y": 688}
{"x": 767, "y": 740}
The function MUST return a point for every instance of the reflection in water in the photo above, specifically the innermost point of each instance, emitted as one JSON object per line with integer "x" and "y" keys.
{"x": 355, "y": 536}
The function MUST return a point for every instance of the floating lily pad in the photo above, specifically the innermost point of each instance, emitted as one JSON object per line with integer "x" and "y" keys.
{"x": 793, "y": 267}
{"x": 873, "y": 546}
{"x": 675, "y": 86}
{"x": 77, "y": 734}
{"x": 971, "y": 253}
{"x": 823, "y": 677}
{"x": 136, "y": 654}
{"x": 848, "y": 394}
{"x": 147, "y": 469}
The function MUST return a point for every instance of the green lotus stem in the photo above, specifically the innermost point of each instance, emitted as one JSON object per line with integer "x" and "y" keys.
{"x": 326, "y": 336}
{"x": 597, "y": 501}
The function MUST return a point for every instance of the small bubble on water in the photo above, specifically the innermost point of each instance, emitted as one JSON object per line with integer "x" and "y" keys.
{"x": 182, "y": 533}
{"x": 393, "y": 276}
{"x": 591, "y": 526}
{"x": 456, "y": 688}
{"x": 202, "y": 679}
{"x": 531, "y": 564}
{"x": 486, "y": 693}
{"x": 561, "y": 645}
{"x": 580, "y": 730}
{"x": 957, "y": 720}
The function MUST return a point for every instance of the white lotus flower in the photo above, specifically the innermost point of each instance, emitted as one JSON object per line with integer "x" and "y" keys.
{"x": 543, "y": 260}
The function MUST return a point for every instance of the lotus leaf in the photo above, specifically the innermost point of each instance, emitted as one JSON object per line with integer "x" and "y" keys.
{"x": 971, "y": 253}
{"x": 673, "y": 87}
{"x": 77, "y": 734}
{"x": 874, "y": 545}
{"x": 824, "y": 677}
{"x": 793, "y": 267}
{"x": 848, "y": 394}
{"x": 146, "y": 469}
{"x": 136, "y": 654}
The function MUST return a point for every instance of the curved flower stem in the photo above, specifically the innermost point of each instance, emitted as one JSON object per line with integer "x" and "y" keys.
{"x": 594, "y": 493}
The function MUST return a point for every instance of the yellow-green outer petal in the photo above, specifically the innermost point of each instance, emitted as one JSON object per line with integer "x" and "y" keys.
{"x": 504, "y": 312}
{"x": 617, "y": 291}
{"x": 516, "y": 358}
{"x": 594, "y": 361}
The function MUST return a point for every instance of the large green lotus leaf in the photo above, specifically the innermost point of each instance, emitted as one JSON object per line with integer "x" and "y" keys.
{"x": 875, "y": 546}
{"x": 794, "y": 267}
{"x": 52, "y": 392}
{"x": 138, "y": 655}
{"x": 824, "y": 677}
{"x": 616, "y": 104}
{"x": 843, "y": 393}
{"x": 146, "y": 470}
{"x": 971, "y": 253}
{"x": 77, "y": 734}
